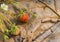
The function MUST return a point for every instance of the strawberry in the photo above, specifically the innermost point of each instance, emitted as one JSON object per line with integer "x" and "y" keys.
{"x": 24, "y": 18}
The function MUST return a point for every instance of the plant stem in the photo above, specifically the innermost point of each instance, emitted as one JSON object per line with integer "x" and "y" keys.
{"x": 4, "y": 17}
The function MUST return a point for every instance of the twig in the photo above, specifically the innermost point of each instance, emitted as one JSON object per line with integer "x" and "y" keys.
{"x": 46, "y": 37}
{"x": 52, "y": 32}
{"x": 55, "y": 5}
{"x": 49, "y": 8}
{"x": 26, "y": 32}
{"x": 50, "y": 21}
{"x": 43, "y": 33}
{"x": 6, "y": 18}
{"x": 7, "y": 24}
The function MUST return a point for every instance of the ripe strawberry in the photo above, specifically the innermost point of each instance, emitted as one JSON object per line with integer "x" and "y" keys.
{"x": 23, "y": 18}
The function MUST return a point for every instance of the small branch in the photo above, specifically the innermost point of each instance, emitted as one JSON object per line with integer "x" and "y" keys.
{"x": 26, "y": 33}
{"x": 49, "y": 8}
{"x": 46, "y": 37}
{"x": 7, "y": 24}
{"x": 43, "y": 32}
{"x": 50, "y": 21}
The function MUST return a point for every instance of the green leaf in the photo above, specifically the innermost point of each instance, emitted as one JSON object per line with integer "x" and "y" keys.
{"x": 21, "y": 13}
{"x": 6, "y": 31}
{"x": 1, "y": 16}
{"x": 13, "y": 28}
{"x": 5, "y": 37}
{"x": 34, "y": 15}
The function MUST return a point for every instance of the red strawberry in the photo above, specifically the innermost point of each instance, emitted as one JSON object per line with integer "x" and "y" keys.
{"x": 24, "y": 18}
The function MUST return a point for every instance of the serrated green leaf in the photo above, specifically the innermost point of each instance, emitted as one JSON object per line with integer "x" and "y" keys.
{"x": 13, "y": 28}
